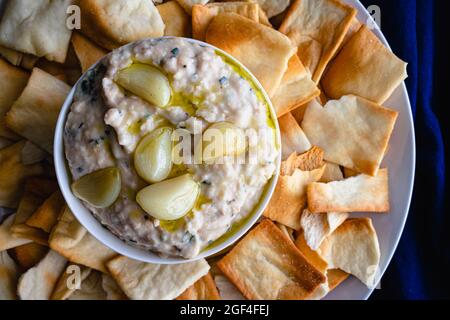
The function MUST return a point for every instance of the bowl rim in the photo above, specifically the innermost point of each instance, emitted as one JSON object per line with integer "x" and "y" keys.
{"x": 106, "y": 237}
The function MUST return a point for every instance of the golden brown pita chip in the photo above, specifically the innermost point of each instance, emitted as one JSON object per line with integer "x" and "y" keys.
{"x": 112, "y": 24}
{"x": 46, "y": 216}
{"x": 188, "y": 4}
{"x": 335, "y": 277}
{"x": 267, "y": 251}
{"x": 293, "y": 139}
{"x": 296, "y": 88}
{"x": 352, "y": 30}
{"x": 88, "y": 52}
{"x": 28, "y": 255}
{"x": 263, "y": 19}
{"x": 366, "y": 68}
{"x": 7, "y": 239}
{"x": 352, "y": 131}
{"x": 202, "y": 15}
{"x": 9, "y": 273}
{"x": 263, "y": 50}
{"x": 73, "y": 276}
{"x": 12, "y": 82}
{"x": 357, "y": 194}
{"x": 354, "y": 248}
{"x": 203, "y": 289}
{"x": 269, "y": 7}
{"x": 35, "y": 112}
{"x": 348, "y": 173}
{"x": 177, "y": 21}
{"x": 13, "y": 174}
{"x": 312, "y": 256}
{"x": 318, "y": 28}
{"x": 37, "y": 27}
{"x": 156, "y": 281}
{"x": 74, "y": 242}
{"x": 308, "y": 161}
{"x": 38, "y": 282}
{"x": 332, "y": 173}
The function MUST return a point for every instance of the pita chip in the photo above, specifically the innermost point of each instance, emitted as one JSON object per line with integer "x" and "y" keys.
{"x": 362, "y": 128}
{"x": 88, "y": 53}
{"x": 112, "y": 289}
{"x": 227, "y": 290}
{"x": 308, "y": 161}
{"x": 263, "y": 50}
{"x": 46, "y": 216}
{"x": 317, "y": 28}
{"x": 189, "y": 4}
{"x": 90, "y": 289}
{"x": 366, "y": 68}
{"x": 335, "y": 277}
{"x": 332, "y": 172}
{"x": 267, "y": 251}
{"x": 13, "y": 174}
{"x": 32, "y": 154}
{"x": 73, "y": 276}
{"x": 28, "y": 255}
{"x": 317, "y": 226}
{"x": 9, "y": 273}
{"x": 293, "y": 139}
{"x": 74, "y": 242}
{"x": 19, "y": 59}
{"x": 147, "y": 281}
{"x": 348, "y": 173}
{"x": 202, "y": 15}
{"x": 352, "y": 30}
{"x": 296, "y": 88}
{"x": 12, "y": 82}
{"x": 357, "y": 194}
{"x": 354, "y": 248}
{"x": 203, "y": 289}
{"x": 38, "y": 282}
{"x": 175, "y": 18}
{"x": 269, "y": 7}
{"x": 36, "y": 111}
{"x": 7, "y": 239}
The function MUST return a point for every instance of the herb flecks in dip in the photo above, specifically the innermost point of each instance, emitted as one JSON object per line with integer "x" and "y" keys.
{"x": 114, "y": 120}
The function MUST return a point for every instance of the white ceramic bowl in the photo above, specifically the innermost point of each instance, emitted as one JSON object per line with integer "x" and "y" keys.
{"x": 103, "y": 234}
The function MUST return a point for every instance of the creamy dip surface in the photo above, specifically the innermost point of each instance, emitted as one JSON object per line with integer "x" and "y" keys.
{"x": 106, "y": 123}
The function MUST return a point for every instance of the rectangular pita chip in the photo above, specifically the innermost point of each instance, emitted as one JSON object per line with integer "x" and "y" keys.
{"x": 28, "y": 255}
{"x": 12, "y": 82}
{"x": 293, "y": 139}
{"x": 7, "y": 239}
{"x": 74, "y": 242}
{"x": 46, "y": 216}
{"x": 37, "y": 27}
{"x": 296, "y": 88}
{"x": 263, "y": 50}
{"x": 352, "y": 131}
{"x": 38, "y": 282}
{"x": 266, "y": 265}
{"x": 36, "y": 111}
{"x": 9, "y": 273}
{"x": 156, "y": 281}
{"x": 88, "y": 53}
{"x": 357, "y": 194}
{"x": 13, "y": 174}
{"x": 202, "y": 15}
{"x": 366, "y": 68}
{"x": 203, "y": 289}
{"x": 317, "y": 28}
{"x": 354, "y": 248}
{"x": 177, "y": 21}
{"x": 62, "y": 290}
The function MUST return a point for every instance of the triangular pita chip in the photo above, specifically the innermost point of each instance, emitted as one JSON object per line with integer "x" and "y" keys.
{"x": 293, "y": 139}
{"x": 270, "y": 7}
{"x": 46, "y": 216}
{"x": 332, "y": 172}
{"x": 175, "y": 18}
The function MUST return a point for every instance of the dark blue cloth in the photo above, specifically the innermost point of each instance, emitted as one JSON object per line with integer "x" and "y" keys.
{"x": 417, "y": 33}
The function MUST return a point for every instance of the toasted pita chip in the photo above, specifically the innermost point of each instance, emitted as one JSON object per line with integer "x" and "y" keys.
{"x": 72, "y": 240}
{"x": 366, "y": 68}
{"x": 352, "y": 30}
{"x": 354, "y": 248}
{"x": 177, "y": 21}
{"x": 203, "y": 289}
{"x": 189, "y": 4}
{"x": 263, "y": 19}
{"x": 73, "y": 276}
{"x": 38, "y": 282}
{"x": 46, "y": 216}
{"x": 88, "y": 52}
{"x": 35, "y": 112}
{"x": 28, "y": 255}
{"x": 296, "y": 88}
{"x": 112, "y": 24}
{"x": 287, "y": 231}
{"x": 156, "y": 281}
{"x": 293, "y": 139}
{"x": 7, "y": 239}
{"x": 335, "y": 278}
{"x": 357, "y": 194}
{"x": 202, "y": 15}
{"x": 318, "y": 28}
{"x": 112, "y": 289}
{"x": 9, "y": 273}
{"x": 37, "y": 27}
{"x": 267, "y": 251}
{"x": 317, "y": 226}
{"x": 20, "y": 59}
{"x": 12, "y": 82}
{"x": 13, "y": 174}
{"x": 269, "y": 7}
{"x": 263, "y": 50}
{"x": 332, "y": 172}
{"x": 227, "y": 290}
{"x": 308, "y": 161}
{"x": 32, "y": 154}
{"x": 352, "y": 131}
{"x": 91, "y": 288}
{"x": 348, "y": 173}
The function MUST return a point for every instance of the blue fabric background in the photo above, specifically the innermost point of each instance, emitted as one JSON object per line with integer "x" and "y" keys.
{"x": 416, "y": 32}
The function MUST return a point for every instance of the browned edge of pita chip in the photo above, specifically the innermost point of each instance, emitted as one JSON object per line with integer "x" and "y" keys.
{"x": 335, "y": 278}
{"x": 28, "y": 255}
{"x": 204, "y": 289}
{"x": 46, "y": 216}
{"x": 308, "y": 161}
